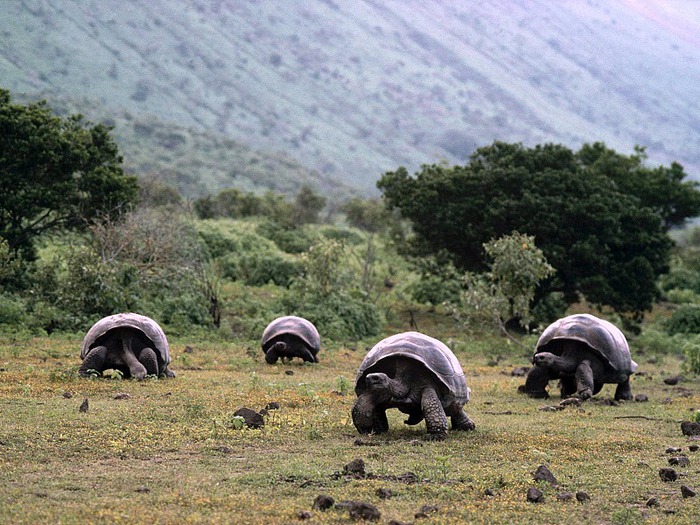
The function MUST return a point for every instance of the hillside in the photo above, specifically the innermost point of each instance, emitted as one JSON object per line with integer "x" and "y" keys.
{"x": 353, "y": 89}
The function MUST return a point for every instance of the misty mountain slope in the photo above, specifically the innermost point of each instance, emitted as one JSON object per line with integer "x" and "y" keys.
{"x": 353, "y": 89}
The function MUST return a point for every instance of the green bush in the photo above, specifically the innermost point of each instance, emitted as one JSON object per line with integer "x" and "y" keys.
{"x": 685, "y": 320}
{"x": 691, "y": 350}
{"x": 288, "y": 239}
{"x": 257, "y": 269}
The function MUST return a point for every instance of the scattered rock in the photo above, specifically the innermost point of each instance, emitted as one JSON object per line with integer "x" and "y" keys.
{"x": 668, "y": 474}
{"x": 383, "y": 493}
{"x": 687, "y": 492}
{"x": 673, "y": 450}
{"x": 188, "y": 349}
{"x": 693, "y": 448}
{"x": 356, "y": 466}
{"x": 681, "y": 461}
{"x": 84, "y": 406}
{"x": 323, "y": 502}
{"x": 122, "y": 395}
{"x": 289, "y": 372}
{"x": 690, "y": 428}
{"x": 362, "y": 443}
{"x": 407, "y": 477}
{"x": 667, "y": 401}
{"x": 224, "y": 449}
{"x": 363, "y": 511}
{"x": 520, "y": 371}
{"x": 251, "y": 418}
{"x": 570, "y": 401}
{"x": 641, "y": 398}
{"x": 67, "y": 395}
{"x": 272, "y": 405}
{"x": 397, "y": 522}
{"x": 582, "y": 496}
{"x": 425, "y": 511}
{"x": 304, "y": 515}
{"x": 416, "y": 443}
{"x": 543, "y": 474}
{"x": 674, "y": 380}
{"x": 535, "y": 495}
{"x": 551, "y": 408}
{"x": 489, "y": 492}
{"x": 653, "y": 502}
{"x": 565, "y": 496}
{"x": 143, "y": 489}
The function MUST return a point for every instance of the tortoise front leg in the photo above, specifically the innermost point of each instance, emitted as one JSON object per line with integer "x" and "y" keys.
{"x": 367, "y": 417}
{"x": 435, "y": 418}
{"x": 536, "y": 382}
{"x": 623, "y": 390}
{"x": 584, "y": 380}
{"x": 94, "y": 360}
{"x": 273, "y": 353}
{"x": 568, "y": 386}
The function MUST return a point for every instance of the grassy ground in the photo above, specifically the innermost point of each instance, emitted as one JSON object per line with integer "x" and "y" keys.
{"x": 169, "y": 452}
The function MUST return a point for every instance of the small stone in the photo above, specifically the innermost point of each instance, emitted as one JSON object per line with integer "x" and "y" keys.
{"x": 304, "y": 515}
{"x": 653, "y": 502}
{"x": 188, "y": 349}
{"x": 641, "y": 398}
{"x": 251, "y": 417}
{"x": 681, "y": 461}
{"x": 690, "y": 428}
{"x": 143, "y": 489}
{"x": 323, "y": 502}
{"x": 489, "y": 492}
{"x": 272, "y": 405}
{"x": 397, "y": 522}
{"x": 571, "y": 401}
{"x": 416, "y": 443}
{"x": 362, "y": 443}
{"x": 84, "y": 406}
{"x": 364, "y": 511}
{"x": 67, "y": 395}
{"x": 673, "y": 380}
{"x": 668, "y": 474}
{"x": 425, "y": 511}
{"x": 565, "y": 496}
{"x": 535, "y": 495}
{"x": 673, "y": 450}
{"x": 543, "y": 474}
{"x": 687, "y": 492}
{"x": 582, "y": 496}
{"x": 693, "y": 448}
{"x": 383, "y": 493}
{"x": 289, "y": 372}
{"x": 356, "y": 466}
{"x": 122, "y": 395}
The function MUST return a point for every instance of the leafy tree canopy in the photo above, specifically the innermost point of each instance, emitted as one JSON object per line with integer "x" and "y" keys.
{"x": 591, "y": 212}
{"x": 55, "y": 173}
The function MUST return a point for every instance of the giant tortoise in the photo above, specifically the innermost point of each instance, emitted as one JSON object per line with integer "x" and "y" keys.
{"x": 291, "y": 336}
{"x": 418, "y": 375}
{"x": 584, "y": 353}
{"x": 131, "y": 343}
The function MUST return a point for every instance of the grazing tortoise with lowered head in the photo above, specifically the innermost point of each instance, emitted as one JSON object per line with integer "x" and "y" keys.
{"x": 584, "y": 353}
{"x": 131, "y": 343}
{"x": 291, "y": 336}
{"x": 418, "y": 375}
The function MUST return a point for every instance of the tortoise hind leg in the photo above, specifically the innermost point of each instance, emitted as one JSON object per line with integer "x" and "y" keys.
{"x": 94, "y": 360}
{"x": 567, "y": 386}
{"x": 435, "y": 418}
{"x": 584, "y": 380}
{"x": 149, "y": 360}
{"x": 623, "y": 391}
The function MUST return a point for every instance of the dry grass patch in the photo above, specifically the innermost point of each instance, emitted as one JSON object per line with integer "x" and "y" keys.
{"x": 171, "y": 451}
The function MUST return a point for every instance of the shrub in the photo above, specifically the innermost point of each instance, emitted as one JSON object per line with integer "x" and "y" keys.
{"x": 685, "y": 320}
{"x": 257, "y": 269}
{"x": 288, "y": 239}
{"x": 691, "y": 350}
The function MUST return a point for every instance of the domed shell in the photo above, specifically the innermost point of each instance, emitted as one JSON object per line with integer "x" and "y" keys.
{"x": 430, "y": 352}
{"x": 601, "y": 336}
{"x": 298, "y": 326}
{"x": 145, "y": 325}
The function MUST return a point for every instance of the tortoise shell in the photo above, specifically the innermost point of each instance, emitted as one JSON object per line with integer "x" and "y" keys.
{"x": 297, "y": 326}
{"x": 601, "y": 336}
{"x": 147, "y": 326}
{"x": 428, "y": 352}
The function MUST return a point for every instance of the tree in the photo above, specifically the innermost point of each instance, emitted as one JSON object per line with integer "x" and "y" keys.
{"x": 55, "y": 173}
{"x": 307, "y": 206}
{"x": 604, "y": 241}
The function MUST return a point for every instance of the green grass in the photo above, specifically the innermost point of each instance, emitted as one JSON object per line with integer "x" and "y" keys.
{"x": 169, "y": 453}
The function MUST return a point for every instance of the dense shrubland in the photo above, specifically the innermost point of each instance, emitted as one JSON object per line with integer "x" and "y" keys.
{"x": 500, "y": 243}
